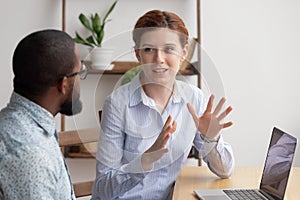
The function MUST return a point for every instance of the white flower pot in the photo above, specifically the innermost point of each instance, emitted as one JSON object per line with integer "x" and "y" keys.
{"x": 101, "y": 58}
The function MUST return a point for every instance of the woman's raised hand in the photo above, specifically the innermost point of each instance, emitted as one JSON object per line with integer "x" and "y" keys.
{"x": 210, "y": 123}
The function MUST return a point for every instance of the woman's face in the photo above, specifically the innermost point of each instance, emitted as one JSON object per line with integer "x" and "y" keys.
{"x": 160, "y": 54}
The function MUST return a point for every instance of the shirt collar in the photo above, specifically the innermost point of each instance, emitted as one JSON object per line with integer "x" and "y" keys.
{"x": 177, "y": 96}
{"x": 40, "y": 115}
{"x": 138, "y": 95}
{"x": 135, "y": 91}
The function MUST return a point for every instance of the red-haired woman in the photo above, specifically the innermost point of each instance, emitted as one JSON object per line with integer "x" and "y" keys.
{"x": 150, "y": 124}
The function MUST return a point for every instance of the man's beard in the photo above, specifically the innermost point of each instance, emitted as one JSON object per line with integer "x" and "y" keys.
{"x": 71, "y": 107}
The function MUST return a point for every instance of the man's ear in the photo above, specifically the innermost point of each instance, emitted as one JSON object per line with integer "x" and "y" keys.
{"x": 137, "y": 54}
{"x": 62, "y": 85}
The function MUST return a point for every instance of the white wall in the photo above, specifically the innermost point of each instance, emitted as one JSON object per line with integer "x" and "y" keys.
{"x": 255, "y": 46}
{"x": 250, "y": 56}
{"x": 18, "y": 18}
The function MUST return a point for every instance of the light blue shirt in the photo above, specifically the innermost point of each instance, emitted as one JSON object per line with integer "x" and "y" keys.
{"x": 31, "y": 163}
{"x": 130, "y": 125}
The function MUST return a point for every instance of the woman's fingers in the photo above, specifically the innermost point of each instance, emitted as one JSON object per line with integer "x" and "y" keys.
{"x": 225, "y": 113}
{"x": 219, "y": 106}
{"x": 167, "y": 123}
{"x": 167, "y": 133}
{"x": 210, "y": 103}
{"x": 211, "y": 121}
{"x": 225, "y": 125}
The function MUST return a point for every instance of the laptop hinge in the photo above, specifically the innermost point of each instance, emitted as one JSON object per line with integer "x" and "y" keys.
{"x": 267, "y": 195}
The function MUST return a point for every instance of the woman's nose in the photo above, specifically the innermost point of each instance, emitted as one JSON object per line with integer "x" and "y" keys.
{"x": 160, "y": 56}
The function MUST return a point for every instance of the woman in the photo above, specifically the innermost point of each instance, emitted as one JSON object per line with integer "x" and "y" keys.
{"x": 150, "y": 124}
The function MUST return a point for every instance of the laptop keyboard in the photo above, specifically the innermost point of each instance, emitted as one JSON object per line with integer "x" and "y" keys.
{"x": 243, "y": 194}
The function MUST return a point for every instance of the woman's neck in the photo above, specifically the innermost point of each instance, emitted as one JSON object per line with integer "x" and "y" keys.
{"x": 159, "y": 93}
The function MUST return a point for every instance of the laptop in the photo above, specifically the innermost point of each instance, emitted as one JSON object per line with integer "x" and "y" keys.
{"x": 274, "y": 178}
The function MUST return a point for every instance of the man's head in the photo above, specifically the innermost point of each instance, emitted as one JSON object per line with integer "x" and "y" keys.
{"x": 42, "y": 62}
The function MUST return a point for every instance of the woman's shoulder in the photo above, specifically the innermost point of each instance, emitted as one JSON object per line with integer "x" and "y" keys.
{"x": 187, "y": 88}
{"x": 122, "y": 94}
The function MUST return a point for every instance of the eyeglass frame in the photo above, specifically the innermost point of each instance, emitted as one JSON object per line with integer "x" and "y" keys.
{"x": 82, "y": 73}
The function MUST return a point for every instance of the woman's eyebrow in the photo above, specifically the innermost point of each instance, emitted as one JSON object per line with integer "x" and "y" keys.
{"x": 171, "y": 44}
{"x": 147, "y": 45}
{"x": 151, "y": 45}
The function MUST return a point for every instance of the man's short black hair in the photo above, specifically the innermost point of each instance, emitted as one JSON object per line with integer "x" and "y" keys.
{"x": 41, "y": 60}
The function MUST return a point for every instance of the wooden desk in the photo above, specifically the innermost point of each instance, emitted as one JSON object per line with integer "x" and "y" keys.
{"x": 191, "y": 178}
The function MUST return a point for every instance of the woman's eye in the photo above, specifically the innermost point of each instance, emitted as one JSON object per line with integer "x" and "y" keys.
{"x": 170, "y": 49}
{"x": 148, "y": 49}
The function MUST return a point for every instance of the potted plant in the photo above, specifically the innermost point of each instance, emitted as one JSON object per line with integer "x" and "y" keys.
{"x": 100, "y": 57}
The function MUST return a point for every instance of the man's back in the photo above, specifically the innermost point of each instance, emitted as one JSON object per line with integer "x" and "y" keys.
{"x": 31, "y": 164}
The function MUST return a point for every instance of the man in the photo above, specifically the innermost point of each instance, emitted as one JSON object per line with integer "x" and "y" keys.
{"x": 46, "y": 68}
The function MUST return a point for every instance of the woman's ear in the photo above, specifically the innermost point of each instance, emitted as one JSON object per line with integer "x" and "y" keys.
{"x": 184, "y": 52}
{"x": 137, "y": 55}
{"x": 62, "y": 85}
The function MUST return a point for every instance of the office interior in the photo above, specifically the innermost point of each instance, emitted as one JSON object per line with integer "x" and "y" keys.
{"x": 250, "y": 55}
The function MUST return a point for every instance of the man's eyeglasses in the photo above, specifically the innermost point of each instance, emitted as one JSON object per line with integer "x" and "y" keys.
{"x": 82, "y": 73}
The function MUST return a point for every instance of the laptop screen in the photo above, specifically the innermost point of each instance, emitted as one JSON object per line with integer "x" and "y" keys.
{"x": 278, "y": 164}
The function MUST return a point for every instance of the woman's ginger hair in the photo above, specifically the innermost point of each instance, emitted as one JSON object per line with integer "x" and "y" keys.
{"x": 160, "y": 19}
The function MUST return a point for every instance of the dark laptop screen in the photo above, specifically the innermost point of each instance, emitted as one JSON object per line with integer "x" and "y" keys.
{"x": 278, "y": 163}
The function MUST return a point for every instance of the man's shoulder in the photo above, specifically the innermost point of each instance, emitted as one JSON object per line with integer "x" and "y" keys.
{"x": 10, "y": 113}
{"x": 20, "y": 135}
{"x": 13, "y": 121}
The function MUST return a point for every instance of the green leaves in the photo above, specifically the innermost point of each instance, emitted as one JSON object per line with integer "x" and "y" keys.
{"x": 96, "y": 22}
{"x": 85, "y": 21}
{"x": 110, "y": 10}
{"x": 95, "y": 26}
{"x": 78, "y": 39}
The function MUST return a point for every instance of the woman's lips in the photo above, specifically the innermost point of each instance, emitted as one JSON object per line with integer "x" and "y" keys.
{"x": 159, "y": 70}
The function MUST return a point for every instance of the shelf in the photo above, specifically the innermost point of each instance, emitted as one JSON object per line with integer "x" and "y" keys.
{"x": 123, "y": 66}
{"x": 120, "y": 68}
{"x": 81, "y": 155}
